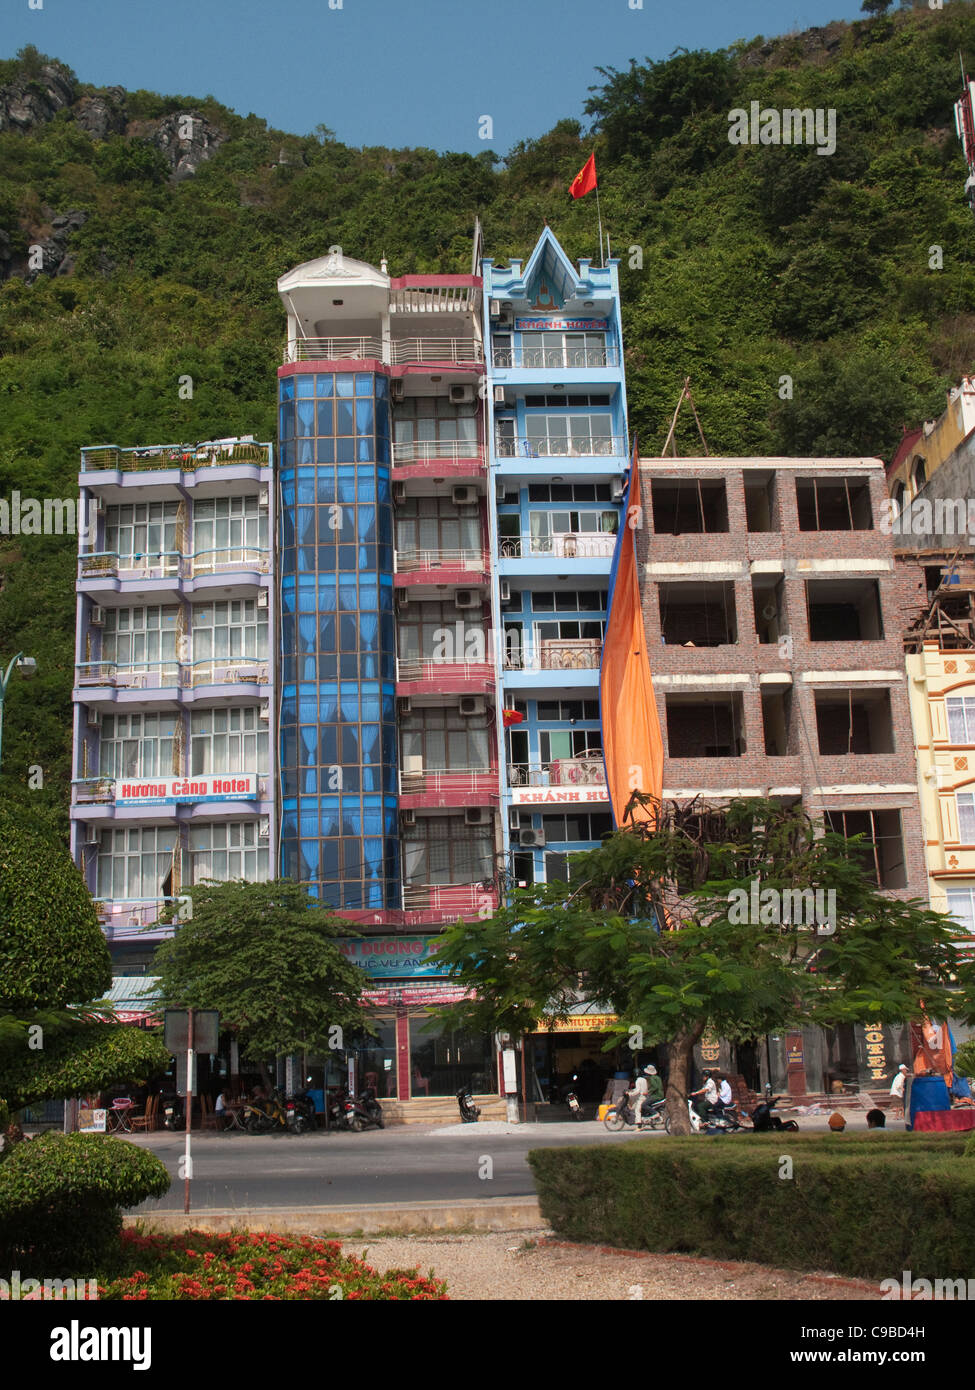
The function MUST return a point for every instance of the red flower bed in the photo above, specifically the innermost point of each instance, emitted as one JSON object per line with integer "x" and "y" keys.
{"x": 256, "y": 1265}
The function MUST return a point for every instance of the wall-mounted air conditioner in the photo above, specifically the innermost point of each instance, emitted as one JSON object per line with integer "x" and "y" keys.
{"x": 531, "y": 839}
{"x": 500, "y": 492}
{"x": 471, "y": 705}
{"x": 619, "y": 490}
{"x": 397, "y": 390}
{"x": 402, "y": 599}
{"x": 461, "y": 394}
{"x": 505, "y": 591}
{"x": 514, "y": 820}
{"x": 405, "y": 705}
{"x": 499, "y": 395}
{"x": 92, "y": 835}
{"x": 413, "y": 765}
{"x": 94, "y": 718}
{"x": 467, "y": 598}
{"x": 399, "y": 493}
{"x": 477, "y": 815}
{"x": 265, "y": 712}
{"x": 495, "y": 309}
{"x": 407, "y": 817}
{"x": 264, "y": 499}
{"x": 262, "y": 599}
{"x": 97, "y": 618}
{"x": 264, "y": 828}
{"x": 464, "y": 496}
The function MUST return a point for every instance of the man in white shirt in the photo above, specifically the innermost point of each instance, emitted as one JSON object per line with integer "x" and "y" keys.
{"x": 897, "y": 1091}
{"x": 709, "y": 1092}
{"x": 637, "y": 1096}
{"x": 724, "y": 1094}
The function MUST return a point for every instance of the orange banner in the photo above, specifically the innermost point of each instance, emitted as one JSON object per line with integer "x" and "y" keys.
{"x": 632, "y": 741}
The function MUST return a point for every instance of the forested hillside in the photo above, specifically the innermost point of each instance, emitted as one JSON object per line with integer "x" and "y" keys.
{"x": 753, "y": 263}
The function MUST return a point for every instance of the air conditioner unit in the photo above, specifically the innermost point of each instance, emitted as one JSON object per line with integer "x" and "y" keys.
{"x": 399, "y": 493}
{"x": 505, "y": 591}
{"x": 264, "y": 500}
{"x": 500, "y": 492}
{"x": 461, "y": 394}
{"x": 467, "y": 598}
{"x": 514, "y": 820}
{"x": 407, "y": 817}
{"x": 265, "y": 712}
{"x": 495, "y": 309}
{"x": 477, "y": 815}
{"x": 92, "y": 835}
{"x": 397, "y": 390}
{"x": 619, "y": 490}
{"x": 402, "y": 599}
{"x": 413, "y": 765}
{"x": 95, "y": 506}
{"x": 531, "y": 839}
{"x": 464, "y": 496}
{"x": 262, "y": 598}
{"x": 97, "y": 616}
{"x": 405, "y": 705}
{"x": 94, "y": 718}
{"x": 472, "y": 704}
{"x": 264, "y": 828}
{"x": 499, "y": 395}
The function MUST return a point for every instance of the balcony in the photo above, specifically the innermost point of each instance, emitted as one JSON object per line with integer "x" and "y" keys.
{"x": 239, "y": 670}
{"x": 88, "y": 791}
{"x": 144, "y": 675}
{"x": 123, "y": 917}
{"x": 586, "y": 771}
{"x": 454, "y": 459}
{"x": 580, "y": 446}
{"x": 445, "y": 902}
{"x": 334, "y": 350}
{"x": 567, "y": 545}
{"x": 432, "y": 676}
{"x": 441, "y": 568}
{"x": 452, "y": 787}
{"x": 556, "y": 654}
{"x": 106, "y": 571}
{"x": 535, "y": 359}
{"x": 105, "y": 564}
{"x": 187, "y": 457}
{"x": 101, "y": 791}
{"x": 458, "y": 351}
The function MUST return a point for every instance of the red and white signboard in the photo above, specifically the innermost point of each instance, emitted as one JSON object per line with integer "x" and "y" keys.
{"x": 558, "y": 796}
{"x": 237, "y": 786}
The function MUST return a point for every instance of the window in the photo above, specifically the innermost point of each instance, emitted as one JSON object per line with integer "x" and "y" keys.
{"x": 966, "y": 817}
{"x": 555, "y": 744}
{"x": 555, "y": 533}
{"x": 569, "y": 492}
{"x": 541, "y": 349}
{"x": 826, "y": 504}
{"x": 689, "y": 508}
{"x": 143, "y": 532}
{"x": 437, "y": 524}
{"x": 705, "y": 728}
{"x": 844, "y": 610}
{"x": 434, "y": 420}
{"x": 697, "y": 615}
{"x": 854, "y": 721}
{"x": 227, "y": 850}
{"x": 439, "y": 740}
{"x": 228, "y": 740}
{"x": 226, "y": 529}
{"x": 961, "y": 906}
{"x": 881, "y": 850}
{"x": 761, "y": 512}
{"x": 566, "y": 436}
{"x": 442, "y": 849}
{"x": 961, "y": 718}
{"x": 138, "y": 745}
{"x": 428, "y": 631}
{"x": 136, "y": 863}
{"x": 577, "y": 826}
{"x": 140, "y": 637}
{"x": 228, "y": 630}
{"x": 777, "y": 723}
{"x": 557, "y": 710}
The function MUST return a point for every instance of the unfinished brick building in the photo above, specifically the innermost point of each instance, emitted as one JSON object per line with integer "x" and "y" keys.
{"x": 774, "y": 622}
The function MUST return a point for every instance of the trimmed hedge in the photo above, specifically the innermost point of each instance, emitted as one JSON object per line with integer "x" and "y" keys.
{"x": 863, "y": 1205}
{"x": 61, "y": 1200}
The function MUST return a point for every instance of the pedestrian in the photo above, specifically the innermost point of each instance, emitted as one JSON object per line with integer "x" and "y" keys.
{"x": 877, "y": 1121}
{"x": 897, "y": 1091}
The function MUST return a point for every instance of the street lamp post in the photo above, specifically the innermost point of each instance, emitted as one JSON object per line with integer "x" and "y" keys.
{"x": 28, "y": 666}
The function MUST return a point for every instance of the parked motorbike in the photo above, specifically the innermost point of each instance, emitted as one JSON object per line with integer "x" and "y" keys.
{"x": 260, "y": 1116}
{"x": 174, "y": 1116}
{"x": 342, "y": 1112}
{"x": 368, "y": 1111}
{"x": 300, "y": 1113}
{"x": 469, "y": 1112}
{"x": 623, "y": 1114}
{"x": 763, "y": 1120}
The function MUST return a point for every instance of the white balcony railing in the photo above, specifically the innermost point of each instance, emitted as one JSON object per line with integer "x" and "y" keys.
{"x": 172, "y": 564}
{"x": 568, "y": 545}
{"x": 470, "y": 781}
{"x": 410, "y": 561}
{"x": 435, "y": 669}
{"x": 333, "y": 349}
{"x": 187, "y": 457}
{"x": 580, "y": 446}
{"x": 438, "y": 451}
{"x": 156, "y": 675}
{"x": 459, "y": 350}
{"x": 570, "y": 359}
{"x": 448, "y": 897}
{"x": 240, "y": 670}
{"x": 587, "y": 771}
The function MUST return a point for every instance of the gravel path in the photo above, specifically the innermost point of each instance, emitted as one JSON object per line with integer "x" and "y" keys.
{"x": 531, "y": 1267}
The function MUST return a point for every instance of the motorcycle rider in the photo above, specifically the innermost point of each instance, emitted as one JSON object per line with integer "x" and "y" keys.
{"x": 655, "y": 1087}
{"x": 709, "y": 1096}
{"x": 725, "y": 1098}
{"x": 637, "y": 1096}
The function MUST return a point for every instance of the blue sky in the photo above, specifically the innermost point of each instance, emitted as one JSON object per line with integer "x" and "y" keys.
{"x": 389, "y": 72}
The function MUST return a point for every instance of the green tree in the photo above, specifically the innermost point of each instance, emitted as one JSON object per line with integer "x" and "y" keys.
{"x": 876, "y": 6}
{"x": 53, "y": 959}
{"x": 267, "y": 957}
{"x": 661, "y": 925}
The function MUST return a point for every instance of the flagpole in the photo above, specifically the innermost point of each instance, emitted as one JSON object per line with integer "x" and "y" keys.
{"x": 602, "y": 258}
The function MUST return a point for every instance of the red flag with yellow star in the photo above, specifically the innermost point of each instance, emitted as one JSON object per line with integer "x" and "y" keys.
{"x": 585, "y": 181}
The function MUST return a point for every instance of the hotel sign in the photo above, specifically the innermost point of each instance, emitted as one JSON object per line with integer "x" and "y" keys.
{"x": 166, "y": 790}
{"x": 393, "y": 957}
{"x": 567, "y": 325}
{"x": 558, "y": 796}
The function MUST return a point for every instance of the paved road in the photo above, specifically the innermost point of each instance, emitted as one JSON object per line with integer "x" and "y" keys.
{"x": 377, "y": 1166}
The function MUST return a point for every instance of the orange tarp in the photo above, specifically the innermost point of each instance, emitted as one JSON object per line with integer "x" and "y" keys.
{"x": 632, "y": 741}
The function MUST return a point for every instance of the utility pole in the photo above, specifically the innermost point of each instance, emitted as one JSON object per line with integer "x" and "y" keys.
{"x": 25, "y": 664}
